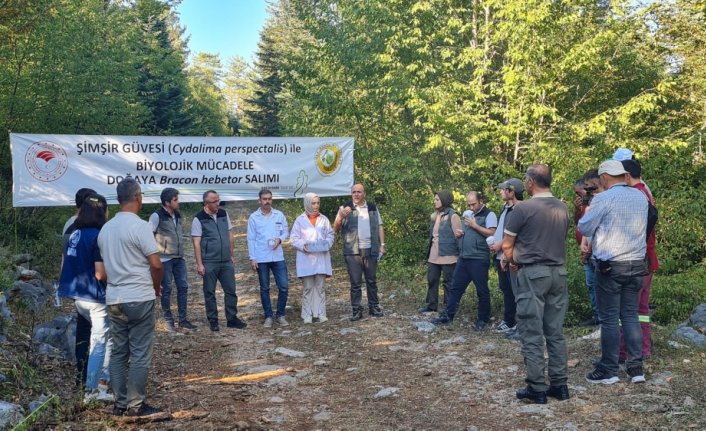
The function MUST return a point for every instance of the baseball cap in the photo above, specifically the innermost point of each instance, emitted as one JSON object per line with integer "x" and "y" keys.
{"x": 512, "y": 184}
{"x": 612, "y": 168}
{"x": 623, "y": 154}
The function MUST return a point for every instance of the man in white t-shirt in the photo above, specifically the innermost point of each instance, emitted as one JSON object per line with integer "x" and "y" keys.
{"x": 134, "y": 271}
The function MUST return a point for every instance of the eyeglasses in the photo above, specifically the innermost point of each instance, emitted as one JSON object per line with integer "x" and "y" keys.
{"x": 213, "y": 202}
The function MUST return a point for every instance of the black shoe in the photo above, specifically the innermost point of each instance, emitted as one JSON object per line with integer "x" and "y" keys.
{"x": 480, "y": 325}
{"x": 426, "y": 309}
{"x": 376, "y": 312}
{"x": 214, "y": 326}
{"x": 237, "y": 323}
{"x": 118, "y": 411}
{"x": 357, "y": 315}
{"x": 590, "y": 322}
{"x": 441, "y": 320}
{"x": 529, "y": 394}
{"x": 561, "y": 392}
{"x": 187, "y": 325}
{"x": 144, "y": 410}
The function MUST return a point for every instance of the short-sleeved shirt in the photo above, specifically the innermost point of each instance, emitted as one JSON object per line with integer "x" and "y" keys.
{"x": 78, "y": 274}
{"x": 125, "y": 242}
{"x": 540, "y": 226}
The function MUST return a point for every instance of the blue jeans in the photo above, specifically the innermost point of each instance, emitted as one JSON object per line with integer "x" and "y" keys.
{"x": 617, "y": 295}
{"x": 467, "y": 271}
{"x": 589, "y": 270}
{"x": 100, "y": 342}
{"x": 279, "y": 271}
{"x": 174, "y": 269}
{"x": 132, "y": 330}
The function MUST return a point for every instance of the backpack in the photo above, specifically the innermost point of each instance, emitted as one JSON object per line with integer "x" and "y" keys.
{"x": 652, "y": 217}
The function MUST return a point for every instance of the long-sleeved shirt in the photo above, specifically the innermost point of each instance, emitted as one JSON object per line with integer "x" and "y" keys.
{"x": 261, "y": 229}
{"x": 617, "y": 223}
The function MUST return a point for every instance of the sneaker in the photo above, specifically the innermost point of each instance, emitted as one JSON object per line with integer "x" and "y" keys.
{"x": 98, "y": 395}
{"x": 480, "y": 326}
{"x": 426, "y": 309}
{"x": 323, "y": 319}
{"x": 636, "y": 374}
{"x": 357, "y": 315}
{"x": 170, "y": 326}
{"x": 376, "y": 312}
{"x": 281, "y": 321}
{"x": 214, "y": 326}
{"x": 118, "y": 411}
{"x": 600, "y": 376}
{"x": 188, "y": 325}
{"x": 144, "y": 410}
{"x": 237, "y": 324}
{"x": 513, "y": 335}
{"x": 268, "y": 322}
{"x": 504, "y": 327}
{"x": 441, "y": 320}
{"x": 309, "y": 319}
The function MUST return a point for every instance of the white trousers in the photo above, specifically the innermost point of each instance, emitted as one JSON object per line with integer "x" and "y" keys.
{"x": 314, "y": 297}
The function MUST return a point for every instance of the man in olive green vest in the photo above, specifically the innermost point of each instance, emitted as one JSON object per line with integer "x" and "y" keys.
{"x": 363, "y": 246}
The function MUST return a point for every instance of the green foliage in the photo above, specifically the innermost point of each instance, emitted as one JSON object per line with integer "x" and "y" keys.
{"x": 675, "y": 297}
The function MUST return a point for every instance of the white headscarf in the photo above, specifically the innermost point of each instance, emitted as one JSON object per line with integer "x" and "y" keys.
{"x": 308, "y": 198}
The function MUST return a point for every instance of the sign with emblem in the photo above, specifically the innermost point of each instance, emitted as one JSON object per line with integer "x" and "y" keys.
{"x": 49, "y": 169}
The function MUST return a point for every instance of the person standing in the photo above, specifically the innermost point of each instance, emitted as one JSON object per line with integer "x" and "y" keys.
{"x": 167, "y": 228}
{"x": 617, "y": 223}
{"x": 363, "y": 246}
{"x": 534, "y": 245}
{"x": 633, "y": 177}
{"x": 473, "y": 264}
{"x": 511, "y": 193}
{"x": 313, "y": 236}
{"x": 83, "y": 281}
{"x": 442, "y": 251}
{"x": 213, "y": 251}
{"x": 267, "y": 230}
{"x": 134, "y": 272}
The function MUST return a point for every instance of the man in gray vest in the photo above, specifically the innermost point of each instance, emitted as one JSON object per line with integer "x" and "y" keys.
{"x": 473, "y": 263}
{"x": 166, "y": 225}
{"x": 363, "y": 246}
{"x": 213, "y": 250}
{"x": 534, "y": 245}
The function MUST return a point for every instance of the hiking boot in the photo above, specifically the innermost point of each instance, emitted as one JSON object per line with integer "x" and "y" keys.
{"x": 561, "y": 392}
{"x": 268, "y": 322}
{"x": 188, "y": 325}
{"x": 600, "y": 376}
{"x": 118, "y": 411}
{"x": 636, "y": 374}
{"x": 142, "y": 411}
{"x": 281, "y": 321}
{"x": 426, "y": 309}
{"x": 357, "y": 315}
{"x": 237, "y": 324}
{"x": 530, "y": 395}
{"x": 504, "y": 327}
{"x": 376, "y": 311}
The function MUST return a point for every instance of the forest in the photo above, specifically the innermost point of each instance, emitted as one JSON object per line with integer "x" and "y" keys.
{"x": 438, "y": 94}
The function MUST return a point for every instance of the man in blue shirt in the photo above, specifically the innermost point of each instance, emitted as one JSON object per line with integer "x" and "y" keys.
{"x": 617, "y": 223}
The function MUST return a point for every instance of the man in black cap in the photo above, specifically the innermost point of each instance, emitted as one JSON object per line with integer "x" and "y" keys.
{"x": 442, "y": 251}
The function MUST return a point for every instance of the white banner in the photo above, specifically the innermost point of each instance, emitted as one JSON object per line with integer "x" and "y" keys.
{"x": 48, "y": 169}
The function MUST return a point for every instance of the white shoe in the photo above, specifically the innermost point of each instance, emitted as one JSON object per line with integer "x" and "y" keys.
{"x": 281, "y": 321}
{"x": 308, "y": 319}
{"x": 268, "y": 322}
{"x": 323, "y": 319}
{"x": 595, "y": 335}
{"x": 100, "y": 394}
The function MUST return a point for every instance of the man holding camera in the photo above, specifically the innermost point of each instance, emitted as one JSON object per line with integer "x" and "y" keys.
{"x": 617, "y": 224}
